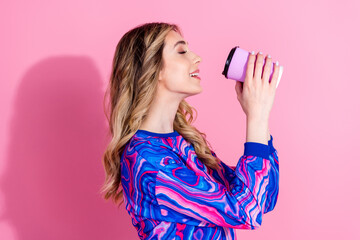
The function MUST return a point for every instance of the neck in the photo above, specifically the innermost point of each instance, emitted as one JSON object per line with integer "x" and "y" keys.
{"x": 161, "y": 115}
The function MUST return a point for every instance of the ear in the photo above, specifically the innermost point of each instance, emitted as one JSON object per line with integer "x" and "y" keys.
{"x": 161, "y": 75}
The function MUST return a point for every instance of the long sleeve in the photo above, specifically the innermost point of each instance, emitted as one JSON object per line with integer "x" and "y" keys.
{"x": 226, "y": 176}
{"x": 193, "y": 198}
{"x": 273, "y": 186}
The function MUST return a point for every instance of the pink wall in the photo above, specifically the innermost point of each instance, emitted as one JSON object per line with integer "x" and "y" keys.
{"x": 55, "y": 62}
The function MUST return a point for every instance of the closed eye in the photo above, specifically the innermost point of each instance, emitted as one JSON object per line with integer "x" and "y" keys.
{"x": 182, "y": 52}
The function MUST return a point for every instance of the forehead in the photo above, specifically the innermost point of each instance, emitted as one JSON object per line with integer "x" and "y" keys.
{"x": 172, "y": 38}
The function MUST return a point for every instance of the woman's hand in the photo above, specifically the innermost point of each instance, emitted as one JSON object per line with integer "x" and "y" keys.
{"x": 256, "y": 95}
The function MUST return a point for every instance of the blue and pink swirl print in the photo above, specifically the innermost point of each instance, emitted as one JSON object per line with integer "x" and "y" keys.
{"x": 170, "y": 194}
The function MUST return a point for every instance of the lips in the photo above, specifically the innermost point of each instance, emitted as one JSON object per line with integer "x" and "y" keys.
{"x": 195, "y": 76}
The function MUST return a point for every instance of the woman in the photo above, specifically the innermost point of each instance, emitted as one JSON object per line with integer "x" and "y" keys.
{"x": 173, "y": 184}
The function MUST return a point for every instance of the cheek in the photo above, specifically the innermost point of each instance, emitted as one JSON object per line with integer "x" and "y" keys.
{"x": 178, "y": 67}
{"x": 177, "y": 73}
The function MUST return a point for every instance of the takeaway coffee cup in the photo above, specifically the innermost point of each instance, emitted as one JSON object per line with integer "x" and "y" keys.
{"x": 236, "y": 64}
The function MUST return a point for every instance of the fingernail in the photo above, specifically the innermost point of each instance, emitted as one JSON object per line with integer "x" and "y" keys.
{"x": 260, "y": 52}
{"x": 269, "y": 56}
{"x": 252, "y": 52}
{"x": 277, "y": 63}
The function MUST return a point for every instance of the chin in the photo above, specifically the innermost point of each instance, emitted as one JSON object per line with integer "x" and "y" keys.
{"x": 196, "y": 91}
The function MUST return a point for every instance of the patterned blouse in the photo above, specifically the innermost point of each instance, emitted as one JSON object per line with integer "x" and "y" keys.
{"x": 170, "y": 194}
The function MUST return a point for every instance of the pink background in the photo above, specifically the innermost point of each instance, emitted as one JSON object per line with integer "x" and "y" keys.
{"x": 55, "y": 63}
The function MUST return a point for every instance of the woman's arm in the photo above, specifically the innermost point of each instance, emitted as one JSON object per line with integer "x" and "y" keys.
{"x": 186, "y": 196}
{"x": 273, "y": 187}
{"x": 225, "y": 176}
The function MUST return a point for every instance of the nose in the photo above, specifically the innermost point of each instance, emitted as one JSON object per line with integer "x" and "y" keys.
{"x": 198, "y": 59}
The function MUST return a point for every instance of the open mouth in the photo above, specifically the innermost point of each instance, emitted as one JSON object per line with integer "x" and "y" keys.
{"x": 195, "y": 75}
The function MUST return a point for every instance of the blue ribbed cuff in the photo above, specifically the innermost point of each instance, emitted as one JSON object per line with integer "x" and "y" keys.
{"x": 256, "y": 149}
{"x": 271, "y": 146}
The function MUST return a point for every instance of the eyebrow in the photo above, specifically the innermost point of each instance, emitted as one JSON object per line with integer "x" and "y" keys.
{"x": 180, "y": 42}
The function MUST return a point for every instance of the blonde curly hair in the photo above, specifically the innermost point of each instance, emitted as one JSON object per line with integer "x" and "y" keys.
{"x": 132, "y": 88}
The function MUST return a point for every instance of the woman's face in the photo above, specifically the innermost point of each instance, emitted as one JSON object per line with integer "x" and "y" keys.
{"x": 179, "y": 62}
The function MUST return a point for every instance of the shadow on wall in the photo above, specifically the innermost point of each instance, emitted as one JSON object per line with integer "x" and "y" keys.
{"x": 53, "y": 169}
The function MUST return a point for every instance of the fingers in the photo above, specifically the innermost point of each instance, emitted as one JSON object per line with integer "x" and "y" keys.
{"x": 258, "y": 67}
{"x": 238, "y": 88}
{"x": 275, "y": 76}
{"x": 250, "y": 68}
{"x": 267, "y": 69}
{"x": 256, "y": 70}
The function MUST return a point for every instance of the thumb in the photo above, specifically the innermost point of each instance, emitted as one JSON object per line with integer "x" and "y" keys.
{"x": 238, "y": 87}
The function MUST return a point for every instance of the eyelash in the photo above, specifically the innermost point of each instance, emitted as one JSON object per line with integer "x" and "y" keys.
{"x": 182, "y": 52}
